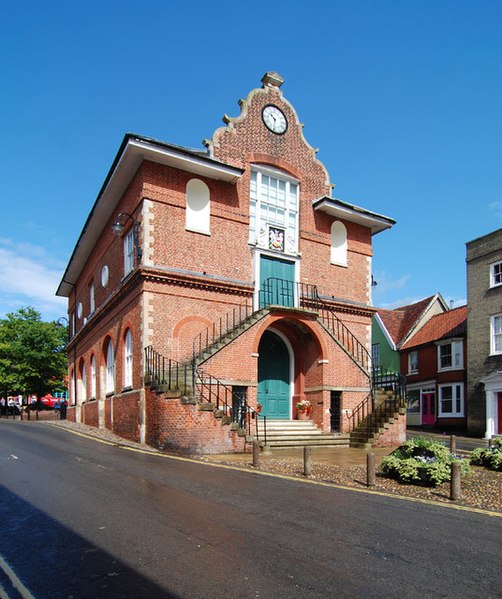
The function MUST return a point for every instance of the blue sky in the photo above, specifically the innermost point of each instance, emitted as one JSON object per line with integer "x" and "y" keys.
{"x": 402, "y": 98}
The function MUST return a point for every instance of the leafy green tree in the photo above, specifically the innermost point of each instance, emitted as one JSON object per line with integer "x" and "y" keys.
{"x": 32, "y": 354}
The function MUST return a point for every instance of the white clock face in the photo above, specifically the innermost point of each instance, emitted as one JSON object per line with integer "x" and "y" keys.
{"x": 274, "y": 119}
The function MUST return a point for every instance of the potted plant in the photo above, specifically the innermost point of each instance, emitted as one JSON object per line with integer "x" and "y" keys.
{"x": 258, "y": 407}
{"x": 303, "y": 409}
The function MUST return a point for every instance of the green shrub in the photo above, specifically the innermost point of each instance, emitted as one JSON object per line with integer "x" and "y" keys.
{"x": 423, "y": 461}
{"x": 490, "y": 457}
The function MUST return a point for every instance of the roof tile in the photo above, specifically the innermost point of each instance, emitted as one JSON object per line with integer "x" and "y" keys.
{"x": 452, "y": 323}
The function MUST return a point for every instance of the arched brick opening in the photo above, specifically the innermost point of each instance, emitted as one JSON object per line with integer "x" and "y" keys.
{"x": 307, "y": 350}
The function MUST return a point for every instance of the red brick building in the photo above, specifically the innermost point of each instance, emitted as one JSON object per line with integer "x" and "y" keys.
{"x": 233, "y": 282}
{"x": 434, "y": 362}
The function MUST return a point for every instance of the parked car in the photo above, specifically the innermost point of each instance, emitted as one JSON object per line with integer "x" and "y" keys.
{"x": 49, "y": 401}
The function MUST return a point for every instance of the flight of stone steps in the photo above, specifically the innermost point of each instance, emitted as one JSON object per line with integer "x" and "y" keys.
{"x": 299, "y": 433}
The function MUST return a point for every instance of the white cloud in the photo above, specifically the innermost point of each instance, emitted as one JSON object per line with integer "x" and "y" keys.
{"x": 496, "y": 208}
{"x": 29, "y": 277}
{"x": 384, "y": 283}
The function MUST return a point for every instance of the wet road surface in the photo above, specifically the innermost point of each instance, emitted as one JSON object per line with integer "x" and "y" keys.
{"x": 81, "y": 519}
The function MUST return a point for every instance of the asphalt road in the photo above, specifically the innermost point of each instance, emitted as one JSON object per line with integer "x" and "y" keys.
{"x": 80, "y": 519}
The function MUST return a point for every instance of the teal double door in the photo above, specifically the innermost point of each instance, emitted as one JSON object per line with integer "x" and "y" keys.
{"x": 274, "y": 377}
{"x": 277, "y": 285}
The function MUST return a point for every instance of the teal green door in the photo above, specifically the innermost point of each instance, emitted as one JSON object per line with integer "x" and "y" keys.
{"x": 273, "y": 377}
{"x": 276, "y": 282}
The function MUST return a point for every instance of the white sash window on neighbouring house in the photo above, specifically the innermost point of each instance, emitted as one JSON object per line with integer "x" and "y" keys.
{"x": 451, "y": 400}
{"x": 496, "y": 336}
{"x": 273, "y": 210}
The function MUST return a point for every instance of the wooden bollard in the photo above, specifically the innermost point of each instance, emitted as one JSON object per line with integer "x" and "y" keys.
{"x": 256, "y": 453}
{"x": 307, "y": 461}
{"x": 453, "y": 444}
{"x": 370, "y": 470}
{"x": 455, "y": 487}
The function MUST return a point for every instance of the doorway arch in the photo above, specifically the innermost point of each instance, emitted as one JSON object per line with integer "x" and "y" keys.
{"x": 274, "y": 376}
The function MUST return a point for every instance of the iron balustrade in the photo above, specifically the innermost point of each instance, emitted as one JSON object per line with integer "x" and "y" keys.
{"x": 222, "y": 327}
{"x": 341, "y": 331}
{"x": 367, "y": 415}
{"x": 281, "y": 292}
{"x": 252, "y": 414}
{"x": 211, "y": 390}
{"x": 168, "y": 373}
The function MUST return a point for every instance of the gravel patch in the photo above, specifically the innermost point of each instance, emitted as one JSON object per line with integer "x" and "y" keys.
{"x": 481, "y": 489}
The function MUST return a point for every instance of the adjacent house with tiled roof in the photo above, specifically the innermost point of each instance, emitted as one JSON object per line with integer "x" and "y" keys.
{"x": 434, "y": 363}
{"x": 392, "y": 328}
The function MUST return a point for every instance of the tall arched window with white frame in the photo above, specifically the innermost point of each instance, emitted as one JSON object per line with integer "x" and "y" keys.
{"x": 82, "y": 390}
{"x": 128, "y": 359}
{"x": 273, "y": 210}
{"x": 93, "y": 377}
{"x": 110, "y": 368}
{"x": 338, "y": 244}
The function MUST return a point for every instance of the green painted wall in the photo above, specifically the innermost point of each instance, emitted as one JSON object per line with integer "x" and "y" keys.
{"x": 389, "y": 358}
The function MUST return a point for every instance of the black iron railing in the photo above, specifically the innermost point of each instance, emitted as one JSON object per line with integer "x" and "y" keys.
{"x": 344, "y": 335}
{"x": 280, "y": 292}
{"x": 222, "y": 327}
{"x": 211, "y": 390}
{"x": 167, "y": 373}
{"x": 368, "y": 415}
{"x": 252, "y": 421}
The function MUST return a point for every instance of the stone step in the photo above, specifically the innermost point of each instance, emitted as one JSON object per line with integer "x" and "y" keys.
{"x": 299, "y": 436}
{"x": 287, "y": 424}
{"x": 360, "y": 445}
{"x": 299, "y": 433}
{"x": 310, "y": 441}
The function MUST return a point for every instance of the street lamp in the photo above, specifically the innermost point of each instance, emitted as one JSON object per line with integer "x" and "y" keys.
{"x": 63, "y": 322}
{"x": 118, "y": 229}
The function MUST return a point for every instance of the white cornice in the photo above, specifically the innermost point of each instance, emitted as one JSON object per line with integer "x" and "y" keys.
{"x": 355, "y": 214}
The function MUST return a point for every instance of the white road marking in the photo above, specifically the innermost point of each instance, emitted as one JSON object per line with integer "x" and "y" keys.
{"x": 16, "y": 583}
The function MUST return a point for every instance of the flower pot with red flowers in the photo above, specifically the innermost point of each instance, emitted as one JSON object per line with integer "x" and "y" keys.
{"x": 303, "y": 409}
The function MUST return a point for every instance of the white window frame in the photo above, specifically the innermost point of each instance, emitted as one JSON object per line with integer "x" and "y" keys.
{"x": 83, "y": 384}
{"x": 92, "y": 298}
{"x": 496, "y": 334}
{"x": 110, "y": 369}
{"x": 457, "y": 395}
{"x": 496, "y": 274}
{"x": 128, "y": 251}
{"x": 375, "y": 356}
{"x": 93, "y": 377}
{"x": 128, "y": 356}
{"x": 457, "y": 355}
{"x": 259, "y": 226}
{"x": 411, "y": 369}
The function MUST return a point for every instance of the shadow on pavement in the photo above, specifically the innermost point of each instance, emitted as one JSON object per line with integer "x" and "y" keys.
{"x": 53, "y": 562}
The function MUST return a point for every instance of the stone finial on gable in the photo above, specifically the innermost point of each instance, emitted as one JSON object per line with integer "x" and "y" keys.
{"x": 272, "y": 79}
